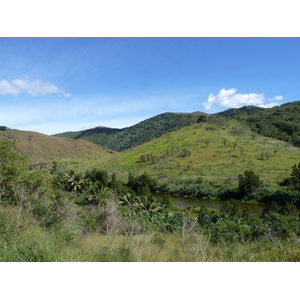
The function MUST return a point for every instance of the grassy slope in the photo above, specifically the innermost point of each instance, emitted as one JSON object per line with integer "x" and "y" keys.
{"x": 39, "y": 148}
{"x": 218, "y": 150}
{"x": 127, "y": 138}
{"x": 280, "y": 122}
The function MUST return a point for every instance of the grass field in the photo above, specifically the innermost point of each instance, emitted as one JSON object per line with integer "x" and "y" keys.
{"x": 217, "y": 150}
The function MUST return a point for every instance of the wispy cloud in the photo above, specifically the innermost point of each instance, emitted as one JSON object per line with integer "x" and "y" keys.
{"x": 231, "y": 99}
{"x": 33, "y": 88}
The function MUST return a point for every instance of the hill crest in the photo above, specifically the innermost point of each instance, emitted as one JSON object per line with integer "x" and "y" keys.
{"x": 130, "y": 137}
{"x": 41, "y": 148}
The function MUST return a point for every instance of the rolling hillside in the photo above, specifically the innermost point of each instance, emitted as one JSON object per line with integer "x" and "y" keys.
{"x": 216, "y": 150}
{"x": 40, "y": 148}
{"x": 127, "y": 138}
{"x": 174, "y": 145}
{"x": 280, "y": 122}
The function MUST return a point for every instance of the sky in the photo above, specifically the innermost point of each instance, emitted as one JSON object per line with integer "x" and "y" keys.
{"x": 52, "y": 85}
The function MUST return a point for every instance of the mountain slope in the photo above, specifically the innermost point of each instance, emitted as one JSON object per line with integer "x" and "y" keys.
{"x": 280, "y": 122}
{"x": 88, "y": 133}
{"x": 40, "y": 148}
{"x": 237, "y": 112}
{"x": 127, "y": 138}
{"x": 216, "y": 150}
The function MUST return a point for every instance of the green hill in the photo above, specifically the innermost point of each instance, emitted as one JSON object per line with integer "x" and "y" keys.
{"x": 41, "y": 148}
{"x": 89, "y": 133}
{"x": 280, "y": 122}
{"x": 216, "y": 150}
{"x": 127, "y": 138}
{"x": 238, "y": 112}
{"x": 175, "y": 145}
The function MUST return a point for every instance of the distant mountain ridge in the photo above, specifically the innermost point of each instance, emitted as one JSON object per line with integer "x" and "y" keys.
{"x": 129, "y": 137}
{"x": 245, "y": 110}
{"x": 280, "y": 122}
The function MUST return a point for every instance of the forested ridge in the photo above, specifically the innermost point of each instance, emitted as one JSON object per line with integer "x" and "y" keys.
{"x": 127, "y": 138}
{"x": 280, "y": 122}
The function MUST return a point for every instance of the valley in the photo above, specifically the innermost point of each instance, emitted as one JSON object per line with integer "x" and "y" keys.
{"x": 73, "y": 198}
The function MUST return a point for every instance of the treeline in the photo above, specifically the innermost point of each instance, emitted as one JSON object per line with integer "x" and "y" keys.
{"x": 249, "y": 188}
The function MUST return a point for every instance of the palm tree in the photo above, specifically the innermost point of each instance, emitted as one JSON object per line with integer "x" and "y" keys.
{"x": 74, "y": 181}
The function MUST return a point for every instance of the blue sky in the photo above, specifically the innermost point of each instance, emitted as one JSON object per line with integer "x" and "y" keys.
{"x": 51, "y": 85}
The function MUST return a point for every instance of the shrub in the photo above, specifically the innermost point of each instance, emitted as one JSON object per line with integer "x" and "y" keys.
{"x": 248, "y": 183}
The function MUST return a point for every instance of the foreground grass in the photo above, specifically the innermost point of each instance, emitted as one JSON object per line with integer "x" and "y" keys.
{"x": 22, "y": 239}
{"x": 169, "y": 248}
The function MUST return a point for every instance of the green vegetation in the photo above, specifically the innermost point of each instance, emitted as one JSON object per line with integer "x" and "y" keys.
{"x": 71, "y": 200}
{"x": 55, "y": 214}
{"x": 281, "y": 122}
{"x": 127, "y": 138}
{"x": 217, "y": 151}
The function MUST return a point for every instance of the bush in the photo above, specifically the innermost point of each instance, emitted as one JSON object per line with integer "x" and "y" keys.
{"x": 142, "y": 184}
{"x": 230, "y": 231}
{"x": 191, "y": 187}
{"x": 248, "y": 183}
{"x": 121, "y": 254}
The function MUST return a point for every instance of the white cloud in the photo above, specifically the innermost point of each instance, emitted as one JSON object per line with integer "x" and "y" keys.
{"x": 231, "y": 99}
{"x": 8, "y": 89}
{"x": 33, "y": 88}
{"x": 269, "y": 105}
{"x": 276, "y": 98}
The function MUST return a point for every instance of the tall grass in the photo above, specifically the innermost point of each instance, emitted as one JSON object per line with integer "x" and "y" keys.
{"x": 21, "y": 239}
{"x": 168, "y": 248}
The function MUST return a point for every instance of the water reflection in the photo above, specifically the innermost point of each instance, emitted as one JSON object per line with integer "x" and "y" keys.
{"x": 211, "y": 203}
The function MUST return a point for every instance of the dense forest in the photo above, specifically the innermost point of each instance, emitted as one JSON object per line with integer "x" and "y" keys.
{"x": 127, "y": 138}
{"x": 51, "y": 213}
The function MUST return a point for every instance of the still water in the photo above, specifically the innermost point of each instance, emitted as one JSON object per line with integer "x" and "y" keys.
{"x": 211, "y": 203}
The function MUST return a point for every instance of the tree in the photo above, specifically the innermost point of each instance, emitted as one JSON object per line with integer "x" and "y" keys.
{"x": 98, "y": 176}
{"x": 202, "y": 119}
{"x": 3, "y": 128}
{"x": 294, "y": 179}
{"x": 12, "y": 165}
{"x": 295, "y": 175}
{"x": 74, "y": 181}
{"x": 248, "y": 183}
